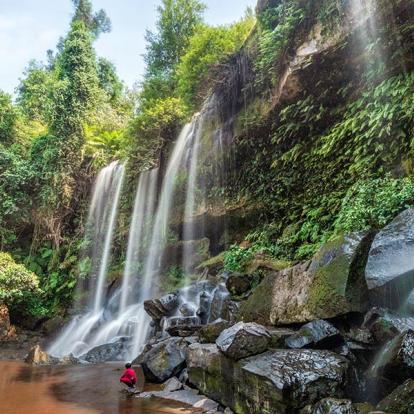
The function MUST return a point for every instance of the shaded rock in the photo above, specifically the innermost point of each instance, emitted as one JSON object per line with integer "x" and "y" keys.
{"x": 37, "y": 356}
{"x": 238, "y": 284}
{"x": 173, "y": 384}
{"x": 285, "y": 380}
{"x": 279, "y": 336}
{"x": 315, "y": 334}
{"x": 331, "y": 406}
{"x": 390, "y": 269}
{"x": 332, "y": 284}
{"x": 183, "y": 325}
{"x": 397, "y": 360}
{"x": 164, "y": 306}
{"x": 210, "y": 332}
{"x": 114, "y": 351}
{"x": 401, "y": 400}
{"x": 243, "y": 339}
{"x": 385, "y": 324}
{"x": 163, "y": 360}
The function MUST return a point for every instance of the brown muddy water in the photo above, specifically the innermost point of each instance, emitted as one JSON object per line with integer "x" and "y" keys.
{"x": 72, "y": 390}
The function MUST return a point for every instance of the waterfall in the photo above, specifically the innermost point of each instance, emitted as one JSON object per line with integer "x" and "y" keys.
{"x": 143, "y": 210}
{"x": 100, "y": 229}
{"x": 182, "y": 194}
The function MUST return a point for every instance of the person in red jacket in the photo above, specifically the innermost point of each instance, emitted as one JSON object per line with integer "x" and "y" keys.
{"x": 129, "y": 377}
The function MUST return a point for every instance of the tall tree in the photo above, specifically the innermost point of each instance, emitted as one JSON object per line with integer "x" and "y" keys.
{"x": 176, "y": 24}
{"x": 97, "y": 22}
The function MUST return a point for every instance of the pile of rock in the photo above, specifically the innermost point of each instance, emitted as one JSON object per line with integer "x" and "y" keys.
{"x": 323, "y": 327}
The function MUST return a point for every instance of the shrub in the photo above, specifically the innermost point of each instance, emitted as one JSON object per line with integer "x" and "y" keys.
{"x": 18, "y": 286}
{"x": 373, "y": 203}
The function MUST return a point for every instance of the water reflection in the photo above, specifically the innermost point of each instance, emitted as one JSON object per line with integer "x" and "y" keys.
{"x": 72, "y": 390}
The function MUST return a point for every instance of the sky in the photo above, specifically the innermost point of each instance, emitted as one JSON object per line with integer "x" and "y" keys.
{"x": 28, "y": 28}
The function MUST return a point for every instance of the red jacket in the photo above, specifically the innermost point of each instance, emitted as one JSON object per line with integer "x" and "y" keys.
{"x": 129, "y": 376}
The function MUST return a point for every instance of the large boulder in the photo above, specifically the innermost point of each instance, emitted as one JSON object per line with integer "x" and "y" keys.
{"x": 164, "y": 306}
{"x": 114, "y": 351}
{"x": 315, "y": 334}
{"x": 243, "y": 340}
{"x": 330, "y": 285}
{"x": 164, "y": 359}
{"x": 390, "y": 269}
{"x": 401, "y": 400}
{"x": 278, "y": 382}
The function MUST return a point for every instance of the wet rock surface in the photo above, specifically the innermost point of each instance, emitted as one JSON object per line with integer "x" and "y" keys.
{"x": 164, "y": 306}
{"x": 243, "y": 339}
{"x": 315, "y": 334}
{"x": 164, "y": 359}
{"x": 397, "y": 362}
{"x": 390, "y": 269}
{"x": 115, "y": 351}
{"x": 285, "y": 380}
{"x": 401, "y": 400}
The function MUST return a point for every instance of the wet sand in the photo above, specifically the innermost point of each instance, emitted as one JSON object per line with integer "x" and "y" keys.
{"x": 72, "y": 390}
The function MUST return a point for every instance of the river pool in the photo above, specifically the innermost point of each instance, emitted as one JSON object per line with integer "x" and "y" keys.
{"x": 72, "y": 390}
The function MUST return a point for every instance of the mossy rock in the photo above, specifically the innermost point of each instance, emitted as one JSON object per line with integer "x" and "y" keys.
{"x": 332, "y": 284}
{"x": 339, "y": 282}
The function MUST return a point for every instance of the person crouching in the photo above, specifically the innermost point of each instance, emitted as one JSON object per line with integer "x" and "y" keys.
{"x": 129, "y": 378}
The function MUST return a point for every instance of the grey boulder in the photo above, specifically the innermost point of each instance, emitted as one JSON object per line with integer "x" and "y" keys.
{"x": 243, "y": 340}
{"x": 114, "y": 351}
{"x": 315, "y": 334}
{"x": 390, "y": 269}
{"x": 164, "y": 359}
{"x": 161, "y": 307}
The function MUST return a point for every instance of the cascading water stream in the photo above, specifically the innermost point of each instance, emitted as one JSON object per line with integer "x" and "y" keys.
{"x": 143, "y": 209}
{"x": 101, "y": 223}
